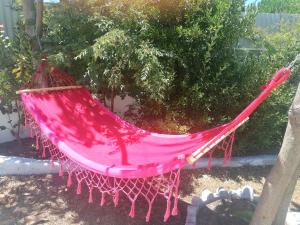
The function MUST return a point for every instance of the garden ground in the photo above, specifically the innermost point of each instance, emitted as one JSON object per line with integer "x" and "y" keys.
{"x": 45, "y": 199}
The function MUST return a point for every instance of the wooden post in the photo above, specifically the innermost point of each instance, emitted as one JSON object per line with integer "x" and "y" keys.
{"x": 280, "y": 183}
{"x": 39, "y": 20}
{"x": 29, "y": 17}
{"x": 30, "y": 21}
{"x": 112, "y": 100}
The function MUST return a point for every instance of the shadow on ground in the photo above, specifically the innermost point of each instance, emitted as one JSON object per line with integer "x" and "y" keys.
{"x": 45, "y": 199}
{"x": 195, "y": 181}
{"x": 36, "y": 200}
{"x": 229, "y": 212}
{"x": 14, "y": 148}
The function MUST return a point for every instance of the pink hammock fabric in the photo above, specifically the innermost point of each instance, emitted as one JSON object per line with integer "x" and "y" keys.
{"x": 113, "y": 156}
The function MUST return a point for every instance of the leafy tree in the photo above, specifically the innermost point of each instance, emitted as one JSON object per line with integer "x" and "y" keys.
{"x": 15, "y": 70}
{"x": 165, "y": 56}
{"x": 179, "y": 59}
{"x": 279, "y": 6}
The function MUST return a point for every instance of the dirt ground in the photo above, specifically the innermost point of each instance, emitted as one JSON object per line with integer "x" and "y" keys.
{"x": 45, "y": 199}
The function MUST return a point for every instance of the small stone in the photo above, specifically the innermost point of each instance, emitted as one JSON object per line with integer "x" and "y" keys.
{"x": 223, "y": 193}
{"x": 293, "y": 218}
{"x": 235, "y": 193}
{"x": 207, "y": 195}
{"x": 247, "y": 193}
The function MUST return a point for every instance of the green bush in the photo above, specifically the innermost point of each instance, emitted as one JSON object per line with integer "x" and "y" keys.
{"x": 169, "y": 58}
{"x": 266, "y": 128}
{"x": 179, "y": 60}
{"x": 15, "y": 70}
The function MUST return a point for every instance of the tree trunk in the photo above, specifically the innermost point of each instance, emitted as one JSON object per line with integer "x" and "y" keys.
{"x": 30, "y": 21}
{"x": 112, "y": 100}
{"x": 39, "y": 20}
{"x": 33, "y": 17}
{"x": 280, "y": 183}
{"x": 282, "y": 212}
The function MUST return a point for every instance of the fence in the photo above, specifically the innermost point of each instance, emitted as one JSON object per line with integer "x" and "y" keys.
{"x": 272, "y": 22}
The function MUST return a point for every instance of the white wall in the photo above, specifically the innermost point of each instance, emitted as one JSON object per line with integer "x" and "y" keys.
{"x": 6, "y": 135}
{"x": 120, "y": 107}
{"x": 8, "y": 16}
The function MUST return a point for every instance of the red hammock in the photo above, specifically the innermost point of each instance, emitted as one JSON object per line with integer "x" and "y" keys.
{"x": 112, "y": 156}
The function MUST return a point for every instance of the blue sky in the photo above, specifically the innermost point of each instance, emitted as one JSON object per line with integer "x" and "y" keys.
{"x": 252, "y": 1}
{"x": 51, "y": 1}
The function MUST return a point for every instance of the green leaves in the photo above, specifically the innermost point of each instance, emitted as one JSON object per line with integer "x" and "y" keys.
{"x": 152, "y": 75}
{"x": 116, "y": 58}
{"x": 175, "y": 57}
{"x": 16, "y": 64}
{"x": 279, "y": 6}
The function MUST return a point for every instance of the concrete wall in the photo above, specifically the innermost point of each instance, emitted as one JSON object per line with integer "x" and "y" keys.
{"x": 6, "y": 135}
{"x": 120, "y": 107}
{"x": 272, "y": 22}
{"x": 8, "y": 16}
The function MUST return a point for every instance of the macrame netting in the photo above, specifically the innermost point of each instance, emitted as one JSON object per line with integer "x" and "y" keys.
{"x": 146, "y": 178}
{"x": 148, "y": 188}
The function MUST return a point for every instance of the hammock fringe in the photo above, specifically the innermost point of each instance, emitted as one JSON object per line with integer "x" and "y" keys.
{"x": 146, "y": 184}
{"x": 166, "y": 185}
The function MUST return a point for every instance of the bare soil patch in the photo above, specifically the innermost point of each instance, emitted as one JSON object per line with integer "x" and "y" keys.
{"x": 45, "y": 199}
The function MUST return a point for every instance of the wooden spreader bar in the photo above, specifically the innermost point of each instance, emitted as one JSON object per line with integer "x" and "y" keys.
{"x": 48, "y": 89}
{"x": 206, "y": 148}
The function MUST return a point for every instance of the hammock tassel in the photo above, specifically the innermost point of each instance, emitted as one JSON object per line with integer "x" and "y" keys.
{"x": 168, "y": 209}
{"x": 227, "y": 157}
{"x": 25, "y": 118}
{"x": 69, "y": 183}
{"x": 44, "y": 152}
{"x": 91, "y": 195}
{"x": 228, "y": 151}
{"x": 102, "y": 199}
{"x": 37, "y": 146}
{"x": 132, "y": 210}
{"x": 31, "y": 132}
{"x": 175, "y": 208}
{"x": 79, "y": 188}
{"x": 116, "y": 198}
{"x": 149, "y": 213}
{"x": 60, "y": 173}
{"x": 52, "y": 162}
{"x": 210, "y": 159}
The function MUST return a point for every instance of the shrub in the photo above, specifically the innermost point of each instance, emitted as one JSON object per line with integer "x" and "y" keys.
{"x": 16, "y": 68}
{"x": 179, "y": 60}
{"x": 267, "y": 126}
